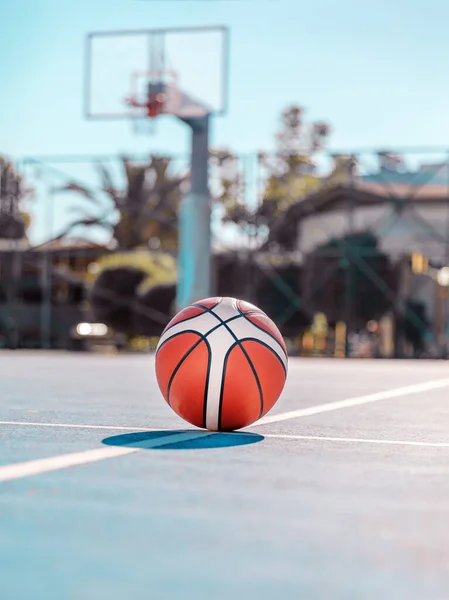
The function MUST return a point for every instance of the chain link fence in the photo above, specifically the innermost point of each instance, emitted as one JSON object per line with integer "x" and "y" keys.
{"x": 345, "y": 252}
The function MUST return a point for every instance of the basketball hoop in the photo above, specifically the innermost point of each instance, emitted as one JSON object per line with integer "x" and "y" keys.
{"x": 156, "y": 92}
{"x": 155, "y": 105}
{"x": 145, "y": 111}
{"x": 152, "y": 107}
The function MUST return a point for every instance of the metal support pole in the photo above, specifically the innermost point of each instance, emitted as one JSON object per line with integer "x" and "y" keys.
{"x": 194, "y": 257}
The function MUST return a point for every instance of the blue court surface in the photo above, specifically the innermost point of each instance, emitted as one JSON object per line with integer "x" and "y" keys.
{"x": 342, "y": 492}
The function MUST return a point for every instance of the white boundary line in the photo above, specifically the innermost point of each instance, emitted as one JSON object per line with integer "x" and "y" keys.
{"x": 63, "y": 461}
{"x": 82, "y": 426}
{"x": 357, "y": 440}
{"x": 408, "y": 390}
{"x": 35, "y": 467}
{"x": 294, "y": 414}
{"x": 281, "y": 436}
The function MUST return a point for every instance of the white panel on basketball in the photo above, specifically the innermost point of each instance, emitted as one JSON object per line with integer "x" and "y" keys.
{"x": 243, "y": 329}
{"x": 225, "y": 308}
{"x": 220, "y": 340}
{"x": 201, "y": 323}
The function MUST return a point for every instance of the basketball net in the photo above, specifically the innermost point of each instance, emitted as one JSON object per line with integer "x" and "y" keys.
{"x": 155, "y": 105}
{"x": 143, "y": 114}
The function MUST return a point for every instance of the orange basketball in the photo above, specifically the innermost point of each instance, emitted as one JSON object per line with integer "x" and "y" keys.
{"x": 221, "y": 364}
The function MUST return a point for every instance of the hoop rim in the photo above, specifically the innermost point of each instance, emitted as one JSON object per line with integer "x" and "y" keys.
{"x": 170, "y": 99}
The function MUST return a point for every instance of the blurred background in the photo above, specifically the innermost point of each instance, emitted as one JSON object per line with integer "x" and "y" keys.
{"x": 327, "y": 171}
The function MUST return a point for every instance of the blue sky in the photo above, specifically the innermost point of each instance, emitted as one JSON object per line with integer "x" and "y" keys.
{"x": 376, "y": 71}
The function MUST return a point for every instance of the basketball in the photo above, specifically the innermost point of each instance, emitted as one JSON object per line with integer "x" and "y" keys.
{"x": 221, "y": 364}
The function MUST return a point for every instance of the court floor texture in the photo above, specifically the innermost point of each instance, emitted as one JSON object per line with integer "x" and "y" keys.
{"x": 341, "y": 492}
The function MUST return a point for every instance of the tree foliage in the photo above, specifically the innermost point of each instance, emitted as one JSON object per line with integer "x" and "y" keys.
{"x": 289, "y": 174}
{"x": 146, "y": 206}
{"x": 292, "y": 170}
{"x": 14, "y": 221}
{"x": 132, "y": 291}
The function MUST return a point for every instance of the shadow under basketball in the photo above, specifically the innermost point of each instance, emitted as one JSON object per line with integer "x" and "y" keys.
{"x": 204, "y": 441}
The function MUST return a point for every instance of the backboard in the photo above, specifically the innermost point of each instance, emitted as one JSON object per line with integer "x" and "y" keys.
{"x": 185, "y": 67}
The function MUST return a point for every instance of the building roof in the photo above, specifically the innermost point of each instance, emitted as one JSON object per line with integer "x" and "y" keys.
{"x": 70, "y": 244}
{"x": 368, "y": 192}
{"x": 384, "y": 187}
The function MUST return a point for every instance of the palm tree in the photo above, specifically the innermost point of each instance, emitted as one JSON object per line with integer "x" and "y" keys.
{"x": 290, "y": 174}
{"x": 147, "y": 205}
{"x": 142, "y": 285}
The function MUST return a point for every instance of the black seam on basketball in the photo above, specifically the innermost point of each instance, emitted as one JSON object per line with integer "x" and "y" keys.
{"x": 210, "y": 311}
{"x": 224, "y": 323}
{"x": 250, "y": 339}
{"x": 241, "y": 313}
{"x": 199, "y": 305}
{"x": 256, "y": 377}
{"x": 178, "y": 366}
{"x": 203, "y": 338}
{"x": 261, "y": 328}
{"x": 176, "y": 335}
{"x": 223, "y": 379}
{"x": 189, "y": 318}
{"x": 183, "y": 359}
{"x": 206, "y": 386}
{"x": 182, "y": 321}
{"x": 203, "y": 335}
